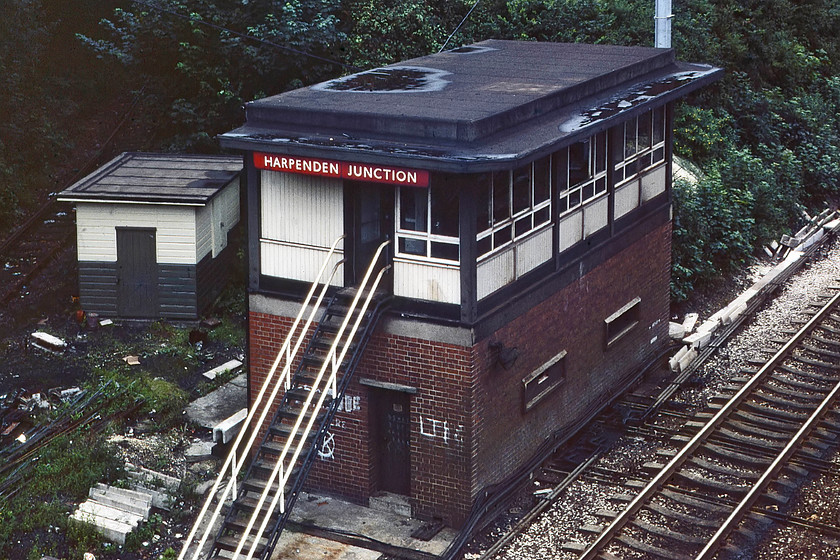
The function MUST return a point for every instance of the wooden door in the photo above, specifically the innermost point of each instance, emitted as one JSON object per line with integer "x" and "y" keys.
{"x": 137, "y": 273}
{"x": 391, "y": 426}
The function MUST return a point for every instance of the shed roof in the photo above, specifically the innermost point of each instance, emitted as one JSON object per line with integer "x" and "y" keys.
{"x": 480, "y": 106}
{"x": 160, "y": 178}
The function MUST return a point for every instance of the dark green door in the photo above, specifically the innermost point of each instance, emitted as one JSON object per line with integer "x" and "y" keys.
{"x": 137, "y": 273}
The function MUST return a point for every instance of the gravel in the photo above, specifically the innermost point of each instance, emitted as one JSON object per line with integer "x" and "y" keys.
{"x": 818, "y": 499}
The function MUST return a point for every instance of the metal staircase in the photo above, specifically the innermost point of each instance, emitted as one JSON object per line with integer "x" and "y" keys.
{"x": 261, "y": 502}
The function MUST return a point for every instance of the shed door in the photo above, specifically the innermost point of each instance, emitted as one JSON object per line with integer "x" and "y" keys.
{"x": 137, "y": 273}
{"x": 392, "y": 445}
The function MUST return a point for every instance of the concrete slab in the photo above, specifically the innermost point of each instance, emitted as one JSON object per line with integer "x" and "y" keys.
{"x": 231, "y": 365}
{"x": 208, "y": 411}
{"x": 199, "y": 451}
{"x": 332, "y": 513}
{"x": 227, "y": 430}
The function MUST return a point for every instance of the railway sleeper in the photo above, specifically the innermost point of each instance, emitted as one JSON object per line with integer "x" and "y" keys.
{"x": 651, "y": 550}
{"x": 778, "y": 413}
{"x": 682, "y": 516}
{"x": 826, "y": 341}
{"x": 738, "y": 455}
{"x": 763, "y": 397}
{"x": 591, "y": 528}
{"x": 808, "y": 374}
{"x": 804, "y": 391}
{"x": 682, "y": 497}
{"x": 731, "y": 435}
{"x": 821, "y": 351}
{"x": 806, "y": 385}
{"x": 721, "y": 469}
{"x": 666, "y": 533}
{"x": 816, "y": 363}
{"x": 701, "y": 482}
{"x": 759, "y": 431}
{"x": 767, "y": 421}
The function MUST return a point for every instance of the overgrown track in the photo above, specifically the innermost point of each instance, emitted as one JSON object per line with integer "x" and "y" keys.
{"x": 33, "y": 246}
{"x": 741, "y": 461}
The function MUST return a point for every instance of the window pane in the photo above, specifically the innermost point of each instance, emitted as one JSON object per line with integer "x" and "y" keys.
{"x": 600, "y": 186}
{"x": 413, "y": 202}
{"x": 600, "y": 152}
{"x": 522, "y": 188}
{"x": 561, "y": 169}
{"x": 501, "y": 237}
{"x": 522, "y": 226}
{"x": 658, "y": 155}
{"x": 644, "y": 131}
{"x": 629, "y": 138}
{"x": 658, "y": 125}
{"x": 484, "y": 245}
{"x": 574, "y": 198}
{"x": 542, "y": 216}
{"x": 542, "y": 178}
{"x": 412, "y": 246}
{"x": 501, "y": 196}
{"x": 588, "y": 192}
{"x": 446, "y": 251}
{"x": 578, "y": 162}
{"x": 482, "y": 218}
{"x": 444, "y": 205}
{"x": 563, "y": 204}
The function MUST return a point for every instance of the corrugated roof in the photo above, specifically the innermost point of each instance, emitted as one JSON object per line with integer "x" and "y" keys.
{"x": 162, "y": 178}
{"x": 482, "y": 106}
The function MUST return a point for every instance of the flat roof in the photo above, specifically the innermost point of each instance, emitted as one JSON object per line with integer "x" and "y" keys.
{"x": 161, "y": 178}
{"x": 473, "y": 108}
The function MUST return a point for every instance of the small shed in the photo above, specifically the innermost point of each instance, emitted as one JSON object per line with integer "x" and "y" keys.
{"x": 152, "y": 233}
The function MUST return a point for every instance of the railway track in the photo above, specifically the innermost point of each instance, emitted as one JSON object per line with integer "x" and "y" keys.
{"x": 741, "y": 456}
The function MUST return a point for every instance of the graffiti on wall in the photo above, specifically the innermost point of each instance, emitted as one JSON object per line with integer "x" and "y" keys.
{"x": 441, "y": 430}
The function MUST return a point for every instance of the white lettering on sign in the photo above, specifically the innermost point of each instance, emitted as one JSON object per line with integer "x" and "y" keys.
{"x": 301, "y": 165}
{"x": 344, "y": 170}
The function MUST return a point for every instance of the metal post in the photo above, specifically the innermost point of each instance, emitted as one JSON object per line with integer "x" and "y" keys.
{"x": 662, "y": 20}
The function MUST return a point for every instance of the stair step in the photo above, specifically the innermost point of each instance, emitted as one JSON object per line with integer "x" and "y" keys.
{"x": 230, "y": 543}
{"x": 284, "y": 431}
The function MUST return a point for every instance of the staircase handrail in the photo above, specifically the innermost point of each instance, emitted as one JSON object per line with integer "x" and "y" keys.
{"x": 331, "y": 354}
{"x": 259, "y": 401}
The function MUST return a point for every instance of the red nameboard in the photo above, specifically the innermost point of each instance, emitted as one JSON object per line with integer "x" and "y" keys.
{"x": 342, "y": 170}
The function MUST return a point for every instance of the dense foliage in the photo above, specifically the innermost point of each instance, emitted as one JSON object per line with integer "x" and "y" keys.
{"x": 765, "y": 137}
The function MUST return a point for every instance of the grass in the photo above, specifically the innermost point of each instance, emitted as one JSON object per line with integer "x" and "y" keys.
{"x": 37, "y": 515}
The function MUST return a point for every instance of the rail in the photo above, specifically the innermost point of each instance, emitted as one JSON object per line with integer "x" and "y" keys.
{"x": 658, "y": 481}
{"x": 296, "y": 333}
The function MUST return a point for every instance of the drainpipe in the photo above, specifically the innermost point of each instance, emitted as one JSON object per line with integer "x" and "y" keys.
{"x": 662, "y": 20}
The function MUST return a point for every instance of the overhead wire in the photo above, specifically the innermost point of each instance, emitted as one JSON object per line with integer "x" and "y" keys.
{"x": 459, "y": 26}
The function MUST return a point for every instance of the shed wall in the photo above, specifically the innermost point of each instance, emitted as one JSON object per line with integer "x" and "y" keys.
{"x": 97, "y": 238}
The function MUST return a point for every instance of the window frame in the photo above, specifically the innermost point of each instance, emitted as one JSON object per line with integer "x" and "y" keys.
{"x": 535, "y": 215}
{"x": 629, "y": 165}
{"x": 571, "y": 197}
{"x": 425, "y": 236}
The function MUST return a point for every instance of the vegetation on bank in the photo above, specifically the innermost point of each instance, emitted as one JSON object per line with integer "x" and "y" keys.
{"x": 767, "y": 137}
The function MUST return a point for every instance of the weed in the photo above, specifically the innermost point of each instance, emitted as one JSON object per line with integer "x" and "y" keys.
{"x": 82, "y": 538}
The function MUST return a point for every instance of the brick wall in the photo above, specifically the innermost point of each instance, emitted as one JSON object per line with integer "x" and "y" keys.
{"x": 570, "y": 320}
